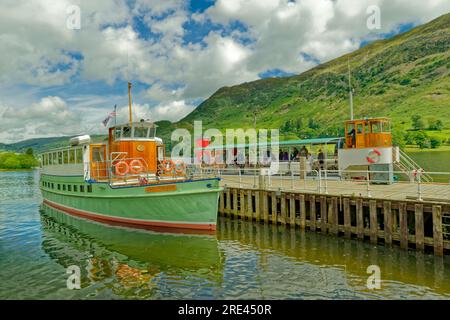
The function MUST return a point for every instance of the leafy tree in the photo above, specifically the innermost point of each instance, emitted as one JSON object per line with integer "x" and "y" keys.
{"x": 29, "y": 151}
{"x": 434, "y": 124}
{"x": 422, "y": 140}
{"x": 12, "y": 163}
{"x": 435, "y": 142}
{"x": 417, "y": 122}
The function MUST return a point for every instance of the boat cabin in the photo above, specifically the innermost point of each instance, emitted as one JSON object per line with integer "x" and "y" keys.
{"x": 368, "y": 133}
{"x": 131, "y": 153}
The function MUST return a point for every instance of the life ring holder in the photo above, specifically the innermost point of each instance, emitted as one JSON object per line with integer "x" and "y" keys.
{"x": 180, "y": 167}
{"x": 165, "y": 168}
{"x": 119, "y": 165}
{"x": 373, "y": 156}
{"x": 136, "y": 166}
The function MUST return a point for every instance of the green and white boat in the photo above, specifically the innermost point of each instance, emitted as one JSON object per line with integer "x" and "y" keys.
{"x": 128, "y": 181}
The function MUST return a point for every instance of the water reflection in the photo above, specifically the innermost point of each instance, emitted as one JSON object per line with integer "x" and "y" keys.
{"x": 340, "y": 265}
{"x": 130, "y": 263}
{"x": 245, "y": 260}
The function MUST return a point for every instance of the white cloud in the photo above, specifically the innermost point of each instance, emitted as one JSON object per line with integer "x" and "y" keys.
{"x": 39, "y": 51}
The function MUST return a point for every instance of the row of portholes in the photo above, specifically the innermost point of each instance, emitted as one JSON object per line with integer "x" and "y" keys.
{"x": 66, "y": 187}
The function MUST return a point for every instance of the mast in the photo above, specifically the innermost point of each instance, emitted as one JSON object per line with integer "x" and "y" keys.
{"x": 350, "y": 91}
{"x": 129, "y": 102}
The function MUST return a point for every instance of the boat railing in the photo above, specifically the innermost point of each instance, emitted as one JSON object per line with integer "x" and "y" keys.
{"x": 130, "y": 171}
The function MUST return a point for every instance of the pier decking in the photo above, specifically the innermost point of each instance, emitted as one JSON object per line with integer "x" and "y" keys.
{"x": 389, "y": 214}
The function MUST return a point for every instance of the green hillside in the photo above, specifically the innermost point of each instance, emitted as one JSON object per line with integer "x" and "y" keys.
{"x": 399, "y": 77}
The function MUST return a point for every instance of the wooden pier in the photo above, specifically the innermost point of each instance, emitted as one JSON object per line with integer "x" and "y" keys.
{"x": 407, "y": 223}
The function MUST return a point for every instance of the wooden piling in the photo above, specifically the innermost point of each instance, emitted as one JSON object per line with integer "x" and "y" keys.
{"x": 235, "y": 202}
{"x": 265, "y": 202}
{"x": 257, "y": 206}
{"x": 419, "y": 227}
{"x": 323, "y": 214}
{"x": 228, "y": 208}
{"x": 292, "y": 209}
{"x": 373, "y": 221}
{"x": 438, "y": 240}
{"x": 359, "y": 219}
{"x": 312, "y": 212}
{"x": 347, "y": 219}
{"x": 250, "y": 205}
{"x": 302, "y": 211}
{"x": 283, "y": 209}
{"x": 403, "y": 221}
{"x": 274, "y": 208}
{"x": 242, "y": 210}
{"x": 387, "y": 213}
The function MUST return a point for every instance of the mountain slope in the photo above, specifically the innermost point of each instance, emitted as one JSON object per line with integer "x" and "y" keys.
{"x": 405, "y": 75}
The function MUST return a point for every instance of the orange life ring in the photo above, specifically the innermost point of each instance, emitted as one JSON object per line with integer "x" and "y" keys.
{"x": 136, "y": 166}
{"x": 124, "y": 165}
{"x": 180, "y": 167}
{"x": 166, "y": 168}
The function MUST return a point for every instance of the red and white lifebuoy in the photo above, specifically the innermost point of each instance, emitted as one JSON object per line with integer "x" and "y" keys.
{"x": 122, "y": 168}
{"x": 373, "y": 156}
{"x": 136, "y": 166}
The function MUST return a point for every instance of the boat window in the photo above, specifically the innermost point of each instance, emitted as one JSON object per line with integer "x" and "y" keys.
{"x": 359, "y": 127}
{"x": 66, "y": 157}
{"x": 75, "y": 188}
{"x": 60, "y": 158}
{"x": 79, "y": 156}
{"x": 117, "y": 133}
{"x": 97, "y": 154}
{"x": 81, "y": 188}
{"x": 64, "y": 187}
{"x": 126, "y": 132}
{"x": 152, "y": 132}
{"x": 71, "y": 156}
{"x": 89, "y": 188}
{"x": 69, "y": 188}
{"x": 140, "y": 132}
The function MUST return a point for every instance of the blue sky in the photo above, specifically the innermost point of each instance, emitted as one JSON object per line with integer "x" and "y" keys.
{"x": 57, "y": 80}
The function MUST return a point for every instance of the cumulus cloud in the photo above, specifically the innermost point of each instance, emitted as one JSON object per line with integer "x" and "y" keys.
{"x": 179, "y": 56}
{"x": 48, "y": 117}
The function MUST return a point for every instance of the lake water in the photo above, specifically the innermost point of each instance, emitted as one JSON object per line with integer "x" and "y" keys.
{"x": 243, "y": 260}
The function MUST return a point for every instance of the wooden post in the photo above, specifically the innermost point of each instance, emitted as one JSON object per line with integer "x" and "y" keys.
{"x": 347, "y": 219}
{"x": 283, "y": 208}
{"x": 221, "y": 201}
{"x": 228, "y": 208}
{"x": 265, "y": 206}
{"x": 250, "y": 205}
{"x": 257, "y": 206}
{"x": 235, "y": 201}
{"x": 312, "y": 213}
{"x": 387, "y": 212}
{"x": 302, "y": 212}
{"x": 438, "y": 240}
{"x": 242, "y": 204}
{"x": 323, "y": 214}
{"x": 373, "y": 221}
{"x": 274, "y": 208}
{"x": 334, "y": 216}
{"x": 292, "y": 210}
{"x": 419, "y": 227}
{"x": 403, "y": 221}
{"x": 359, "y": 219}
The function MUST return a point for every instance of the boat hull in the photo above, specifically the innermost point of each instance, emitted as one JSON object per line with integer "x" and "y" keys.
{"x": 190, "y": 205}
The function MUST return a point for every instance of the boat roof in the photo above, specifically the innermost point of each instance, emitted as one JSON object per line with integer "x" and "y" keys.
{"x": 285, "y": 143}
{"x": 141, "y": 124}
